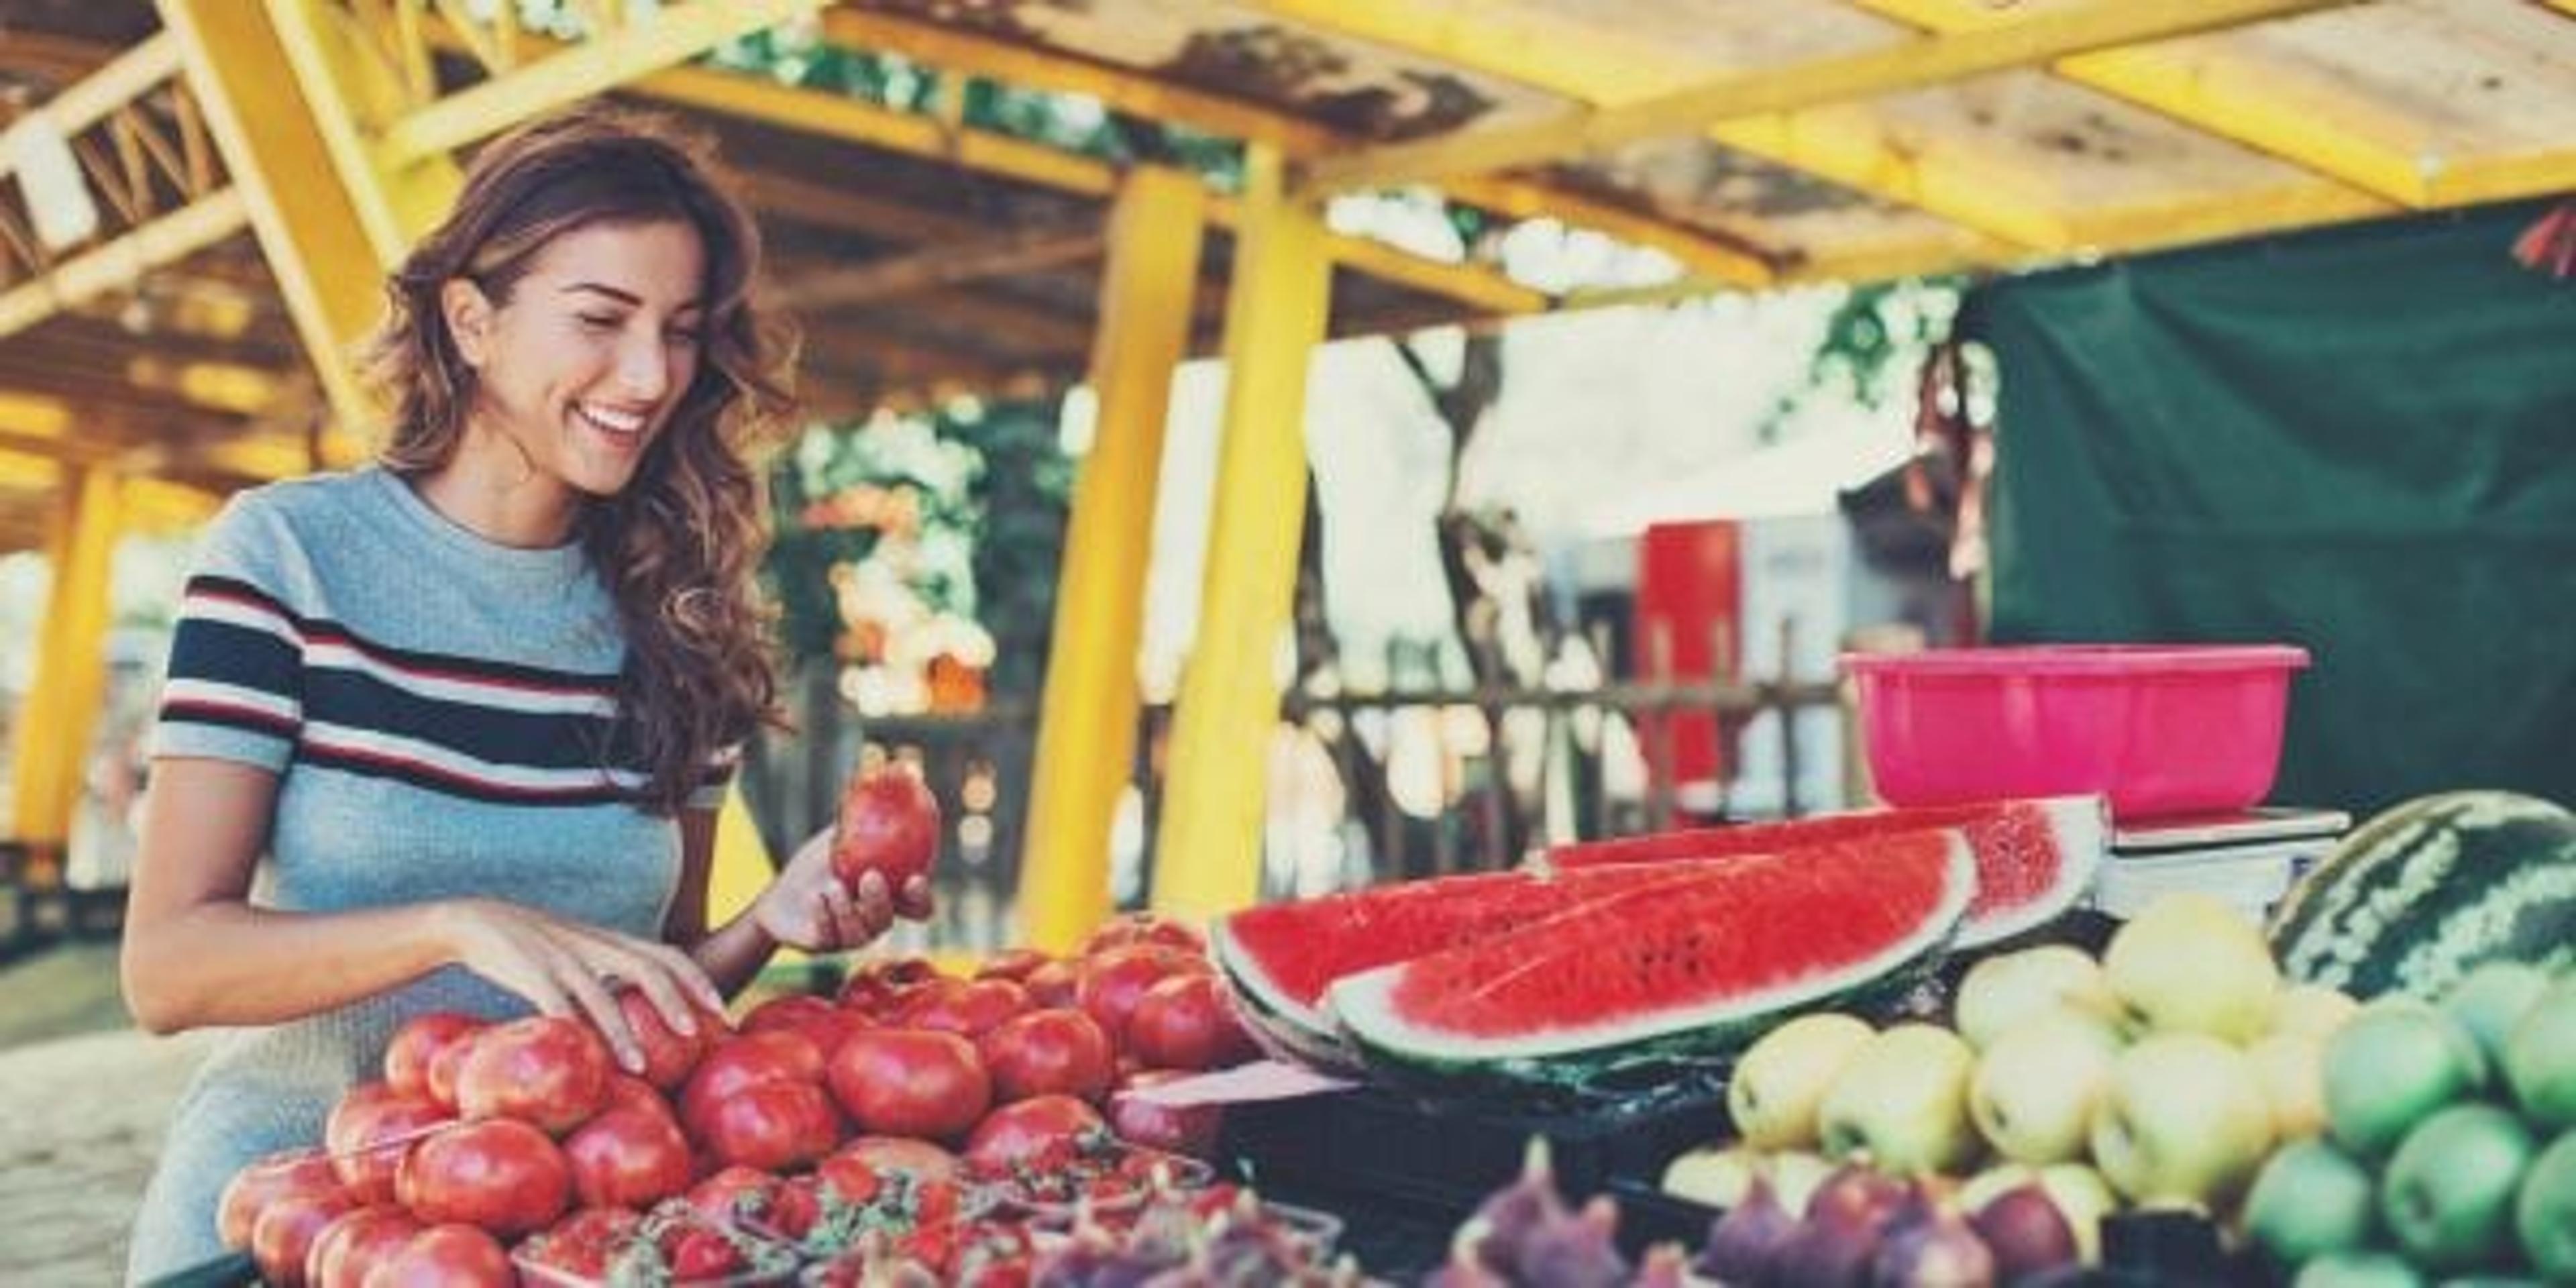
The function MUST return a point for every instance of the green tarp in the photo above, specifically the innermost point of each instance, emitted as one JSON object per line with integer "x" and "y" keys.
{"x": 2362, "y": 441}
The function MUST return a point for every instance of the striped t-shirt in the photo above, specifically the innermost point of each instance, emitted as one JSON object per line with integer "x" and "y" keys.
{"x": 435, "y": 706}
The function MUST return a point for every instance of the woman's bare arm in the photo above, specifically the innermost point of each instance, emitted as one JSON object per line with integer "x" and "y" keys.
{"x": 197, "y": 953}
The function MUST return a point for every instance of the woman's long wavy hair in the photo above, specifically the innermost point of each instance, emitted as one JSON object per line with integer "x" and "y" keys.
{"x": 680, "y": 546}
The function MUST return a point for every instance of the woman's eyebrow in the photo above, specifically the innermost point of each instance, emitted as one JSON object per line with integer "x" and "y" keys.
{"x": 630, "y": 298}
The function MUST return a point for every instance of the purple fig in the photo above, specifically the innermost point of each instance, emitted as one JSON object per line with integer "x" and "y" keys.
{"x": 2026, "y": 1232}
{"x": 1666, "y": 1266}
{"x": 1741, "y": 1243}
{"x": 1939, "y": 1251}
{"x": 1463, "y": 1270}
{"x": 1504, "y": 1224}
{"x": 1858, "y": 1195}
{"x": 1832, "y": 1248}
{"x": 1578, "y": 1251}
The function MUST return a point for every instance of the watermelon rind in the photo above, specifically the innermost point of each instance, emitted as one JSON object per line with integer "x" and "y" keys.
{"x": 1570, "y": 1057}
{"x": 2075, "y": 829}
{"x": 2427, "y": 889}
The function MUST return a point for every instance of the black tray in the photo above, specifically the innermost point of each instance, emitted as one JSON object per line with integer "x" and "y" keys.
{"x": 1444, "y": 1157}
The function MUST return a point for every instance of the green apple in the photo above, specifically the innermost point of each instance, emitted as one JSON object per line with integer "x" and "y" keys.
{"x": 2358, "y": 1270}
{"x": 2544, "y": 1214}
{"x": 2448, "y": 1192}
{"x": 2035, "y": 1087}
{"x": 2391, "y": 1066}
{"x": 1903, "y": 1099}
{"x": 2310, "y": 1199}
{"x": 2313, "y": 1009}
{"x": 2491, "y": 997}
{"x": 1999, "y": 993}
{"x": 2183, "y": 1121}
{"x": 1795, "y": 1174}
{"x": 2292, "y": 1070}
{"x": 2190, "y": 962}
{"x": 1774, "y": 1090}
{"x": 2540, "y": 1058}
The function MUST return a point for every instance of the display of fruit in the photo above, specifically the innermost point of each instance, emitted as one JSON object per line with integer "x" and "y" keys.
{"x": 2439, "y": 1162}
{"x": 823, "y": 1119}
{"x": 2424, "y": 891}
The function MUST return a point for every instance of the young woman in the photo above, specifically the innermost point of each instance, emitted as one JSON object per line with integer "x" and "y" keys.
{"x": 476, "y": 704}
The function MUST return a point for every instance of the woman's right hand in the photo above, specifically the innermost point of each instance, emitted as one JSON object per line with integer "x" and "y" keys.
{"x": 562, "y": 968}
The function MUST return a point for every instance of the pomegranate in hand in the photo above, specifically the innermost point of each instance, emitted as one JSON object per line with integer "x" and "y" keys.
{"x": 889, "y": 824}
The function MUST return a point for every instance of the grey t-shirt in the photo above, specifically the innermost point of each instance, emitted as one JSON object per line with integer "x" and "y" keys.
{"x": 437, "y": 709}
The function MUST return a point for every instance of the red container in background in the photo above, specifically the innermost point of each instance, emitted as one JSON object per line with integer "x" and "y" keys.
{"x": 1690, "y": 606}
{"x": 2159, "y": 729}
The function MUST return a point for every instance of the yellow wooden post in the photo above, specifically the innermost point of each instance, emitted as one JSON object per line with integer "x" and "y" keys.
{"x": 1087, "y": 724}
{"x": 274, "y": 80}
{"x": 1208, "y": 849}
{"x": 71, "y": 661}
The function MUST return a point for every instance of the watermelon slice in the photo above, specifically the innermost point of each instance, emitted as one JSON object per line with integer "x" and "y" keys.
{"x": 1695, "y": 967}
{"x": 2035, "y": 858}
{"x": 1280, "y": 957}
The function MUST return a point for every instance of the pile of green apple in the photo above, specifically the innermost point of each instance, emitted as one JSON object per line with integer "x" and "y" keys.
{"x": 2449, "y": 1145}
{"x": 2162, "y": 1075}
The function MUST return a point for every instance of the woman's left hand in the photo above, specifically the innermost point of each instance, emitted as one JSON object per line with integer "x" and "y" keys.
{"x": 808, "y": 908}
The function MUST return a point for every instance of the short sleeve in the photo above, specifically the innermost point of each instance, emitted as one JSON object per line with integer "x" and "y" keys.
{"x": 235, "y": 687}
{"x": 717, "y": 778}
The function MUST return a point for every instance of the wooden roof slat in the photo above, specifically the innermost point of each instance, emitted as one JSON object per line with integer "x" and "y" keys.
{"x": 165, "y": 240}
{"x": 942, "y": 265}
{"x": 2210, "y": 89}
{"x": 1969, "y": 51}
{"x": 1736, "y": 258}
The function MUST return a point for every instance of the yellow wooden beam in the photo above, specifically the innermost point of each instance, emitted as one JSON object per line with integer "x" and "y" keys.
{"x": 1208, "y": 848}
{"x": 161, "y": 507}
{"x": 1086, "y": 750}
{"x": 841, "y": 117}
{"x": 2464, "y": 181}
{"x": 34, "y": 415}
{"x": 1852, "y": 144}
{"x": 349, "y": 89}
{"x": 23, "y": 470}
{"x": 117, "y": 83}
{"x": 121, "y": 263}
{"x": 2036, "y": 38}
{"x": 71, "y": 661}
{"x": 300, "y": 200}
{"x": 1143, "y": 94}
{"x": 675, "y": 34}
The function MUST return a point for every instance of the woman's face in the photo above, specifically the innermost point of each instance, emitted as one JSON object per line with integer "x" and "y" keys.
{"x": 597, "y": 343}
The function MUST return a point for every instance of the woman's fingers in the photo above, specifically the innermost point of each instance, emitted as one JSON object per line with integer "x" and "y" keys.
{"x": 844, "y": 918}
{"x": 669, "y": 996}
{"x": 591, "y": 993}
{"x": 692, "y": 979}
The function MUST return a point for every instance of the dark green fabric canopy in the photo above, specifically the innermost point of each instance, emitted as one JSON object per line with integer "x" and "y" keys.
{"x": 2362, "y": 441}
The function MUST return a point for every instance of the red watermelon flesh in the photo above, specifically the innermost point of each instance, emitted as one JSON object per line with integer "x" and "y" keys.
{"x": 1280, "y": 957}
{"x": 2035, "y": 857}
{"x": 1704, "y": 960}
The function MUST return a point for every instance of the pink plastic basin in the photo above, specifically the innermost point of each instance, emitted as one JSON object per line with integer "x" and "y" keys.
{"x": 2158, "y": 728}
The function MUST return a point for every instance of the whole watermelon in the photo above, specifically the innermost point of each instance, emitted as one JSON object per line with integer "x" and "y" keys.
{"x": 2430, "y": 888}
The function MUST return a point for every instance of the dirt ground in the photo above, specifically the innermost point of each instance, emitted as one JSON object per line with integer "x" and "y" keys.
{"x": 83, "y": 1100}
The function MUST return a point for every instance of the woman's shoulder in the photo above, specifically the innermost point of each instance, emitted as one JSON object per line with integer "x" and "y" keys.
{"x": 277, "y": 527}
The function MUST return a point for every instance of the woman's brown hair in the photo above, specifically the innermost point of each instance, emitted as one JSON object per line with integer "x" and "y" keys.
{"x": 679, "y": 546}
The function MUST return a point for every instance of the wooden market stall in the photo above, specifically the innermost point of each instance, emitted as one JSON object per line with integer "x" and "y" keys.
{"x": 249, "y": 169}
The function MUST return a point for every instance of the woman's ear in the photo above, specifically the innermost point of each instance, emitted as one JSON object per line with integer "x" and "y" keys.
{"x": 469, "y": 319}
